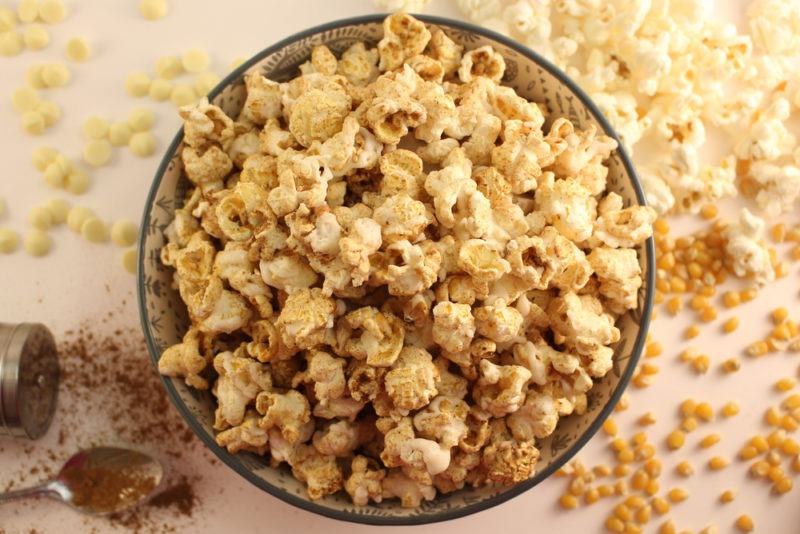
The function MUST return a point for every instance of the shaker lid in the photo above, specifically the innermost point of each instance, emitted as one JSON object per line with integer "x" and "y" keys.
{"x": 28, "y": 379}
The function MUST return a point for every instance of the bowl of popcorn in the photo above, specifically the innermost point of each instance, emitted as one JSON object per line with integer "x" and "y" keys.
{"x": 395, "y": 270}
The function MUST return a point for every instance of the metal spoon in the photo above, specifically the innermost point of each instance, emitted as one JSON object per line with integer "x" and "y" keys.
{"x": 97, "y": 481}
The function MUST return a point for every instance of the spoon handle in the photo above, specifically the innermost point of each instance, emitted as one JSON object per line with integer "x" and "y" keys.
{"x": 41, "y": 489}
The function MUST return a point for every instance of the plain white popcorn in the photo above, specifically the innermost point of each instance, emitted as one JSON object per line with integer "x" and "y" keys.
{"x": 660, "y": 71}
{"x": 746, "y": 249}
{"x": 351, "y": 296}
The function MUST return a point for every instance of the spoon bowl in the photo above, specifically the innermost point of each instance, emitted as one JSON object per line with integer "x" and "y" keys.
{"x": 100, "y": 481}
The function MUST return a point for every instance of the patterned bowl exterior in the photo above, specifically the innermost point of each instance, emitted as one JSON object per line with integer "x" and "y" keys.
{"x": 164, "y": 319}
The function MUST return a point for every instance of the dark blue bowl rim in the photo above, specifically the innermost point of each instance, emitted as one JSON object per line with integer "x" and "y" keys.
{"x": 232, "y": 461}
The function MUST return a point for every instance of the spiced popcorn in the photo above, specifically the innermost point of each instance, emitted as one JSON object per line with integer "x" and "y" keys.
{"x": 399, "y": 276}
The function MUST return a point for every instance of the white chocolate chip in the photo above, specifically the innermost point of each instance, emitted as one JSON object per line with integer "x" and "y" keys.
{"x": 56, "y": 75}
{"x": 94, "y": 230}
{"x": 137, "y": 84}
{"x": 183, "y": 95}
{"x": 97, "y": 152}
{"x": 9, "y": 240}
{"x": 43, "y": 156}
{"x": 28, "y": 10}
{"x": 168, "y": 67}
{"x": 11, "y": 43}
{"x": 129, "y": 260}
{"x": 95, "y": 127}
{"x": 59, "y": 209}
{"x": 8, "y": 19}
{"x": 37, "y": 243}
{"x": 195, "y": 60}
{"x": 33, "y": 122}
{"x": 77, "y": 50}
{"x": 160, "y": 90}
{"x": 77, "y": 216}
{"x": 205, "y": 82}
{"x": 141, "y": 119}
{"x": 153, "y": 9}
{"x": 36, "y": 37}
{"x": 50, "y": 111}
{"x": 124, "y": 233}
{"x": 77, "y": 181}
{"x": 24, "y": 99}
{"x": 40, "y": 217}
{"x": 33, "y": 76}
{"x": 52, "y": 11}
{"x": 119, "y": 133}
{"x": 142, "y": 144}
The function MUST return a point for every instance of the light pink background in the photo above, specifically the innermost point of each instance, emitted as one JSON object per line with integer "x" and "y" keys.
{"x": 77, "y": 279}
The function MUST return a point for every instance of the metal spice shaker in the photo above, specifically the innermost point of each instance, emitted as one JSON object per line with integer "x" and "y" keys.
{"x": 28, "y": 379}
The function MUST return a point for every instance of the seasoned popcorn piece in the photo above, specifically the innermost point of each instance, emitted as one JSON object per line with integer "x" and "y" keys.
{"x": 623, "y": 227}
{"x": 540, "y": 359}
{"x": 411, "y": 381}
{"x": 392, "y": 110}
{"x": 344, "y": 408}
{"x": 402, "y": 173}
{"x": 500, "y": 388}
{"x": 206, "y": 166}
{"x": 350, "y": 150}
{"x": 401, "y": 218}
{"x": 499, "y": 323}
{"x": 395, "y": 433}
{"x": 403, "y": 37}
{"x": 364, "y": 381}
{"x": 370, "y": 334}
{"x": 288, "y": 412}
{"x": 443, "y": 420}
{"x": 240, "y": 380}
{"x": 263, "y": 100}
{"x": 359, "y": 64}
{"x": 322, "y": 60}
{"x": 454, "y": 193}
{"x": 273, "y": 139}
{"x": 567, "y": 205}
{"x": 325, "y": 373}
{"x": 745, "y": 248}
{"x": 434, "y": 153}
{"x": 306, "y": 316}
{"x": 581, "y": 322}
{"x": 453, "y": 326}
{"x": 522, "y": 155}
{"x": 411, "y": 268}
{"x": 247, "y": 436}
{"x": 287, "y": 272}
{"x": 243, "y": 212}
{"x": 619, "y": 274}
{"x": 445, "y": 50}
{"x": 424, "y": 455}
{"x": 778, "y": 186}
{"x": 511, "y": 461}
{"x": 482, "y": 61}
{"x": 266, "y": 344}
{"x": 410, "y": 492}
{"x": 580, "y": 155}
{"x": 428, "y": 68}
{"x": 362, "y": 241}
{"x": 536, "y": 418}
{"x": 184, "y": 360}
{"x": 365, "y": 481}
{"x": 205, "y": 124}
{"x": 245, "y": 144}
{"x": 455, "y": 476}
{"x": 440, "y": 110}
{"x": 339, "y": 439}
{"x": 318, "y": 115}
{"x": 481, "y": 260}
{"x": 549, "y": 260}
{"x": 480, "y": 144}
{"x": 320, "y": 472}
{"x": 451, "y": 385}
{"x": 462, "y": 289}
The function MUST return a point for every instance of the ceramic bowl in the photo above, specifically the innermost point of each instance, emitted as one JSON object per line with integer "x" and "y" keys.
{"x": 164, "y": 319}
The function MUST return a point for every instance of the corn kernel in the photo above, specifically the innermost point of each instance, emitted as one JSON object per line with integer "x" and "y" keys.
{"x": 785, "y": 384}
{"x": 692, "y": 332}
{"x": 776, "y": 438}
{"x": 731, "y": 365}
{"x": 784, "y": 485}
{"x": 653, "y": 349}
{"x": 649, "y": 369}
{"x": 568, "y": 502}
{"x": 610, "y": 427}
{"x": 576, "y": 487}
{"x": 760, "y": 443}
{"x": 781, "y": 332}
{"x": 677, "y": 285}
{"x": 796, "y": 464}
{"x": 744, "y": 523}
{"x": 718, "y": 462}
{"x": 780, "y": 314}
{"x": 776, "y": 473}
{"x": 760, "y": 469}
{"x": 748, "y": 294}
{"x": 781, "y": 269}
{"x": 790, "y": 447}
{"x": 772, "y": 417}
{"x": 644, "y": 513}
{"x": 623, "y": 403}
{"x": 601, "y": 470}
{"x": 709, "y": 211}
{"x": 661, "y": 226}
{"x": 652, "y": 487}
{"x": 789, "y": 423}
{"x": 710, "y": 440}
{"x": 684, "y": 468}
{"x": 708, "y": 314}
{"x": 615, "y": 524}
{"x": 731, "y": 299}
{"x": 591, "y": 496}
{"x": 639, "y": 480}
{"x": 748, "y": 452}
{"x": 792, "y": 401}
{"x": 635, "y": 502}
{"x": 704, "y": 411}
{"x": 668, "y": 527}
{"x": 621, "y": 487}
{"x": 730, "y": 409}
{"x": 778, "y": 232}
{"x": 689, "y": 424}
{"x": 698, "y": 303}
{"x": 605, "y": 490}
{"x": 625, "y": 456}
{"x": 621, "y": 470}
{"x": 688, "y": 407}
{"x": 688, "y": 355}
{"x": 676, "y": 495}
{"x": 660, "y": 506}
{"x": 727, "y": 496}
{"x": 653, "y": 467}
{"x": 676, "y": 439}
{"x": 730, "y": 325}
{"x": 701, "y": 364}
{"x": 623, "y": 512}
{"x": 675, "y": 304}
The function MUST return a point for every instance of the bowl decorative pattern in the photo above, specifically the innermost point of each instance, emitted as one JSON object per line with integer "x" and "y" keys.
{"x": 164, "y": 318}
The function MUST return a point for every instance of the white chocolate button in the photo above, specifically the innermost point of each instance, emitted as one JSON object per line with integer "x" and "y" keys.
{"x": 195, "y": 60}
{"x": 43, "y": 156}
{"x": 37, "y": 243}
{"x": 28, "y": 10}
{"x": 142, "y": 144}
{"x": 129, "y": 258}
{"x": 141, "y": 119}
{"x": 33, "y": 76}
{"x": 183, "y": 95}
{"x": 97, "y": 152}
{"x": 59, "y": 209}
{"x": 8, "y": 19}
{"x": 50, "y": 111}
{"x": 56, "y": 75}
{"x": 153, "y": 9}
{"x": 24, "y": 99}
{"x": 95, "y": 127}
{"x": 33, "y": 122}
{"x": 77, "y": 181}
{"x": 11, "y": 43}
{"x": 52, "y": 11}
{"x": 168, "y": 67}
{"x": 94, "y": 230}
{"x": 9, "y": 240}
{"x": 77, "y": 216}
{"x": 124, "y": 233}
{"x": 160, "y": 90}
{"x": 40, "y": 217}
{"x": 36, "y": 37}
{"x": 119, "y": 133}
{"x": 137, "y": 84}
{"x": 205, "y": 82}
{"x": 77, "y": 49}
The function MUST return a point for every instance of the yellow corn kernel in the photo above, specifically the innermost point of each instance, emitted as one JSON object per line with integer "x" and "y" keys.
{"x": 577, "y": 487}
{"x": 623, "y": 512}
{"x": 601, "y": 470}
{"x": 652, "y": 487}
{"x": 684, "y": 469}
{"x": 639, "y": 480}
{"x": 688, "y": 407}
{"x": 591, "y": 496}
{"x": 701, "y": 364}
{"x": 710, "y": 440}
{"x": 658, "y": 297}
{"x": 796, "y": 464}
{"x": 623, "y": 403}
{"x": 689, "y": 424}
{"x": 676, "y": 495}
{"x": 639, "y": 438}
{"x": 605, "y": 490}
{"x": 708, "y": 314}
{"x": 781, "y": 269}
{"x": 661, "y": 226}
{"x": 704, "y": 411}
{"x": 677, "y": 285}
{"x": 778, "y": 232}
{"x": 642, "y": 380}
{"x": 698, "y": 303}
{"x": 688, "y": 355}
{"x": 644, "y": 513}
{"x": 730, "y": 409}
{"x": 776, "y": 473}
{"x": 625, "y": 456}
{"x": 785, "y": 384}
{"x": 731, "y": 365}
{"x": 709, "y": 211}
{"x": 692, "y": 332}
{"x": 790, "y": 447}
{"x": 792, "y": 401}
{"x": 645, "y": 452}
{"x": 676, "y": 439}
{"x": 760, "y": 443}
{"x": 793, "y": 328}
{"x": 621, "y": 470}
{"x": 772, "y": 417}
{"x": 793, "y": 234}
{"x": 708, "y": 290}
{"x": 760, "y": 469}
{"x": 727, "y": 496}
{"x": 780, "y": 314}
{"x": 610, "y": 427}
{"x": 789, "y": 423}
{"x": 784, "y": 485}
{"x": 744, "y": 523}
{"x": 781, "y": 332}
{"x": 748, "y": 294}
{"x": 568, "y": 502}
{"x": 621, "y": 487}
{"x": 718, "y": 462}
{"x": 675, "y": 304}
{"x": 615, "y": 524}
{"x": 730, "y": 325}
{"x": 748, "y": 452}
{"x": 653, "y": 467}
{"x": 619, "y": 444}
{"x": 731, "y": 299}
{"x": 660, "y": 505}
{"x": 649, "y": 369}
{"x": 668, "y": 527}
{"x": 653, "y": 349}
{"x": 635, "y": 502}
{"x": 776, "y": 438}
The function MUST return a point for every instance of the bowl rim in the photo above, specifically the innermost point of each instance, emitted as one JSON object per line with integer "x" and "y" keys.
{"x": 311, "y": 506}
